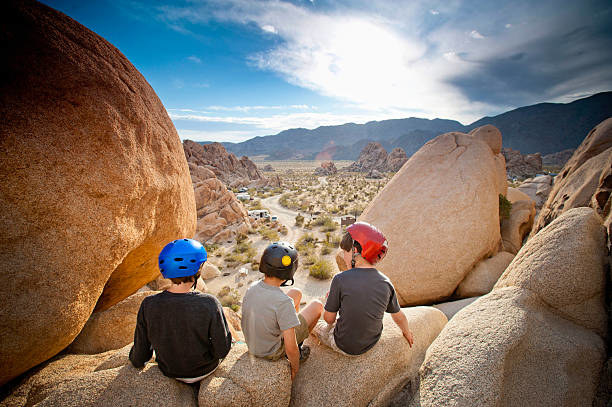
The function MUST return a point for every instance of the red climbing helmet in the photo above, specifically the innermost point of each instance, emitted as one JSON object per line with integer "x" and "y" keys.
{"x": 372, "y": 241}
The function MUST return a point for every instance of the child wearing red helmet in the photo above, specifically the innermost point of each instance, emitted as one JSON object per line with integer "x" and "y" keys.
{"x": 361, "y": 295}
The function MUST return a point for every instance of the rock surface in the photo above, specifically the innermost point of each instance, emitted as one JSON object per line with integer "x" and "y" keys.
{"x": 451, "y": 308}
{"x": 483, "y": 277}
{"x": 586, "y": 179}
{"x": 220, "y": 214}
{"x": 342, "y": 266}
{"x": 375, "y": 157}
{"x": 446, "y": 191}
{"x": 110, "y": 329}
{"x": 545, "y": 314}
{"x": 106, "y": 379}
{"x": 326, "y": 168}
{"x": 243, "y": 380}
{"x": 226, "y": 167}
{"x": 210, "y": 271}
{"x": 522, "y": 166}
{"x": 537, "y": 189}
{"x": 94, "y": 182}
{"x": 518, "y": 225}
{"x": 328, "y": 378}
{"x": 557, "y": 159}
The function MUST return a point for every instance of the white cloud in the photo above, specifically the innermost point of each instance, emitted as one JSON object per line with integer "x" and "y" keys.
{"x": 269, "y": 28}
{"x": 195, "y": 59}
{"x": 434, "y": 12}
{"x": 233, "y": 136}
{"x": 475, "y": 34}
{"x": 508, "y": 25}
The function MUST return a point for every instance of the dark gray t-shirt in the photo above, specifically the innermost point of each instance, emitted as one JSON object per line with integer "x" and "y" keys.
{"x": 361, "y": 296}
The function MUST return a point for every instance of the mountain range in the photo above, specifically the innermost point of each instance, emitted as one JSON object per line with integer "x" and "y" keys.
{"x": 545, "y": 128}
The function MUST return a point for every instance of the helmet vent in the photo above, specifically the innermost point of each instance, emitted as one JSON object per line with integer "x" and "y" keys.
{"x": 178, "y": 259}
{"x": 192, "y": 260}
{"x": 161, "y": 262}
{"x": 286, "y": 251}
{"x": 186, "y": 240}
{"x": 182, "y": 268}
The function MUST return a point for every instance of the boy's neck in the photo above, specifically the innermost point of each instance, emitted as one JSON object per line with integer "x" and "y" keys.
{"x": 360, "y": 262}
{"x": 180, "y": 288}
{"x": 273, "y": 281}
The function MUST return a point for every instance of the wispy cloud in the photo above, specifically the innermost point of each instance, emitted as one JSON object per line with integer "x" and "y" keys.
{"x": 475, "y": 34}
{"x": 270, "y": 29}
{"x": 195, "y": 59}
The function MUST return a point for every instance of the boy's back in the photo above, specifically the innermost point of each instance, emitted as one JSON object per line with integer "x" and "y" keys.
{"x": 266, "y": 312}
{"x": 362, "y": 295}
{"x": 178, "y": 327}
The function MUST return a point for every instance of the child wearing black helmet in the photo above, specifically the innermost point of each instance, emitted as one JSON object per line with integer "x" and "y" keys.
{"x": 272, "y": 323}
{"x": 361, "y": 295}
{"x": 175, "y": 322}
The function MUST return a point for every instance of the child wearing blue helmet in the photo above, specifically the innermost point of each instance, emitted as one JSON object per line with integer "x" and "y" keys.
{"x": 186, "y": 328}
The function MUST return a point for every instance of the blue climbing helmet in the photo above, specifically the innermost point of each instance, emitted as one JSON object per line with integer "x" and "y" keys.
{"x": 181, "y": 258}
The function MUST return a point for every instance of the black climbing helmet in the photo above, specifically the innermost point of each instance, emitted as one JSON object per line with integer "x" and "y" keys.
{"x": 280, "y": 259}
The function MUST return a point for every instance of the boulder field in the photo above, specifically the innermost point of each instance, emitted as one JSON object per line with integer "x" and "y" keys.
{"x": 446, "y": 191}
{"x": 94, "y": 182}
{"x": 538, "y": 337}
{"x": 108, "y": 379}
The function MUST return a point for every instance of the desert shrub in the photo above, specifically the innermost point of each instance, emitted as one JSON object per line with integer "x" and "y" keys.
{"x": 309, "y": 259}
{"x": 329, "y": 225}
{"x": 269, "y": 234}
{"x": 505, "y": 206}
{"x": 299, "y": 220}
{"x": 283, "y": 230}
{"x": 241, "y": 237}
{"x": 256, "y": 205}
{"x": 229, "y": 297}
{"x": 325, "y": 250}
{"x": 284, "y": 200}
{"x": 332, "y": 240}
{"x": 306, "y": 244}
{"x": 321, "y": 269}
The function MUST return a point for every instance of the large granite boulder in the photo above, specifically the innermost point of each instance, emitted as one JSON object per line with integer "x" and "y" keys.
{"x": 586, "y": 179}
{"x": 105, "y": 380}
{"x": 243, "y": 380}
{"x": 481, "y": 279}
{"x": 446, "y": 191}
{"x": 110, "y": 329}
{"x": 537, "y": 338}
{"x": 537, "y": 189}
{"x": 518, "y": 225}
{"x": 328, "y": 378}
{"x": 372, "y": 157}
{"x": 326, "y": 168}
{"x": 94, "y": 182}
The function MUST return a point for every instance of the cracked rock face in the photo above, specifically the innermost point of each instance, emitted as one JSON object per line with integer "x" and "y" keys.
{"x": 445, "y": 214}
{"x": 94, "y": 182}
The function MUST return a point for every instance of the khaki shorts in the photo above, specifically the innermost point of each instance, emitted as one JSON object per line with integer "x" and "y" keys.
{"x": 325, "y": 333}
{"x": 301, "y": 333}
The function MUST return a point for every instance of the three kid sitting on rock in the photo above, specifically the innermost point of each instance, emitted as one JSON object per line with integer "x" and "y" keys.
{"x": 176, "y": 322}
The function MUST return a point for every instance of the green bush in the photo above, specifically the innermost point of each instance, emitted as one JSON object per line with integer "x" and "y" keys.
{"x": 505, "y": 206}
{"x": 269, "y": 234}
{"x": 325, "y": 250}
{"x": 299, "y": 220}
{"x": 322, "y": 270}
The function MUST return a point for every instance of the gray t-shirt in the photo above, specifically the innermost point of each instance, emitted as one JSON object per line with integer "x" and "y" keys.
{"x": 266, "y": 312}
{"x": 361, "y": 296}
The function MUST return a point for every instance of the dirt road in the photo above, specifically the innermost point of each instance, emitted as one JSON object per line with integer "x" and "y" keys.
{"x": 285, "y": 216}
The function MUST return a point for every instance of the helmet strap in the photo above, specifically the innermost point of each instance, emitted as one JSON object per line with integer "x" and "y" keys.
{"x": 195, "y": 284}
{"x": 284, "y": 283}
{"x": 353, "y": 255}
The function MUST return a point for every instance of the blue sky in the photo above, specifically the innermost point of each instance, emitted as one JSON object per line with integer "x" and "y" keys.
{"x": 230, "y": 70}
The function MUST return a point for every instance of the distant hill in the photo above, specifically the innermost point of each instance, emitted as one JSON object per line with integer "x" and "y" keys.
{"x": 545, "y": 128}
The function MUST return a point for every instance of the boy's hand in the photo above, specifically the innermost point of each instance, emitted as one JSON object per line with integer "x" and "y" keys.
{"x": 408, "y": 335}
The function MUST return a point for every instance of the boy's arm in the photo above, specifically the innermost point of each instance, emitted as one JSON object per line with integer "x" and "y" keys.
{"x": 402, "y": 322}
{"x": 141, "y": 351}
{"x": 220, "y": 335}
{"x": 329, "y": 317}
{"x": 332, "y": 302}
{"x": 292, "y": 351}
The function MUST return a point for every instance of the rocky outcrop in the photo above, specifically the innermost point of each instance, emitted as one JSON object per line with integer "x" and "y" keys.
{"x": 226, "y": 167}
{"x": 586, "y": 179}
{"x": 545, "y": 314}
{"x": 396, "y": 159}
{"x": 220, "y": 215}
{"x": 110, "y": 329}
{"x": 374, "y": 174}
{"x": 106, "y": 379}
{"x": 94, "y": 182}
{"x": 326, "y": 168}
{"x": 328, "y": 378}
{"x": 557, "y": 159}
{"x": 481, "y": 279}
{"x": 446, "y": 191}
{"x": 375, "y": 157}
{"x": 537, "y": 189}
{"x": 210, "y": 271}
{"x": 268, "y": 168}
{"x": 522, "y": 166}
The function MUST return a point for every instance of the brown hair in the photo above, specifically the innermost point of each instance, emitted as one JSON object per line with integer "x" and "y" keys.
{"x": 188, "y": 279}
{"x": 347, "y": 243}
